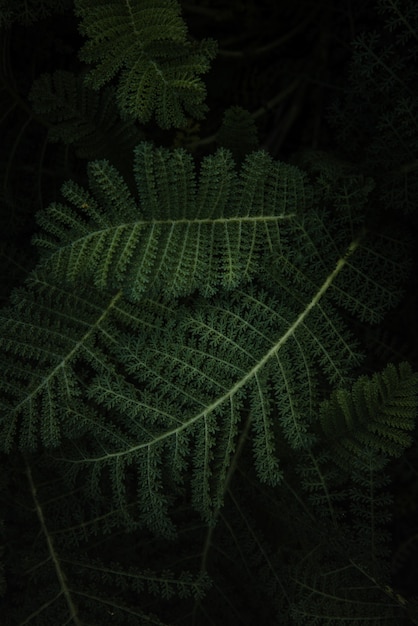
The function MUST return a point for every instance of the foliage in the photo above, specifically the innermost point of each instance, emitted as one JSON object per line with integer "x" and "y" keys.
{"x": 195, "y": 428}
{"x": 148, "y": 42}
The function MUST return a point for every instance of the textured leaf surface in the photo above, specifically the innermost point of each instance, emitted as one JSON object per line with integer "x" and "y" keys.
{"x": 183, "y": 234}
{"x": 146, "y": 42}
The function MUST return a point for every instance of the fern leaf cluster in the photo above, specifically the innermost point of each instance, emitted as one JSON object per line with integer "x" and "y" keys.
{"x": 180, "y": 386}
{"x": 133, "y": 390}
{"x": 378, "y": 111}
{"x": 193, "y": 426}
{"x": 79, "y": 116}
{"x": 147, "y": 43}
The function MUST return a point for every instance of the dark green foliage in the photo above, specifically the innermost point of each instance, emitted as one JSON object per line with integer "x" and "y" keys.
{"x": 29, "y": 11}
{"x": 77, "y": 115}
{"x": 146, "y": 41}
{"x": 151, "y": 399}
{"x": 77, "y": 579}
{"x": 194, "y": 427}
{"x": 374, "y": 414}
{"x": 179, "y": 235}
{"x": 376, "y": 119}
{"x": 238, "y": 132}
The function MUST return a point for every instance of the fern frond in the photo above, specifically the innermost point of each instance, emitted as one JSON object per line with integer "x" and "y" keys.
{"x": 316, "y": 237}
{"x": 166, "y": 453}
{"x": 401, "y": 21}
{"x": 183, "y": 235}
{"x": 376, "y": 414}
{"x": 171, "y": 394}
{"x": 29, "y": 11}
{"x": 147, "y": 42}
{"x": 52, "y": 341}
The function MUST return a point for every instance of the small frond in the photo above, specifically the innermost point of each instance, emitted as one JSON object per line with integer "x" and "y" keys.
{"x": 401, "y": 20}
{"x": 146, "y": 41}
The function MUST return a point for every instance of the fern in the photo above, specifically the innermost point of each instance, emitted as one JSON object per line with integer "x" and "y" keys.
{"x": 199, "y": 369}
{"x": 205, "y": 236}
{"x": 85, "y": 588}
{"x": 151, "y": 397}
{"x": 147, "y": 42}
{"x": 193, "y": 428}
{"x": 29, "y": 11}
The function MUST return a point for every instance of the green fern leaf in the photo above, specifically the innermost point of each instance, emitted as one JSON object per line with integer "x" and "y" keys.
{"x": 377, "y": 413}
{"x": 164, "y": 367}
{"x": 70, "y": 580}
{"x": 52, "y": 341}
{"x": 238, "y": 132}
{"x": 161, "y": 390}
{"x": 147, "y": 42}
{"x": 182, "y": 236}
